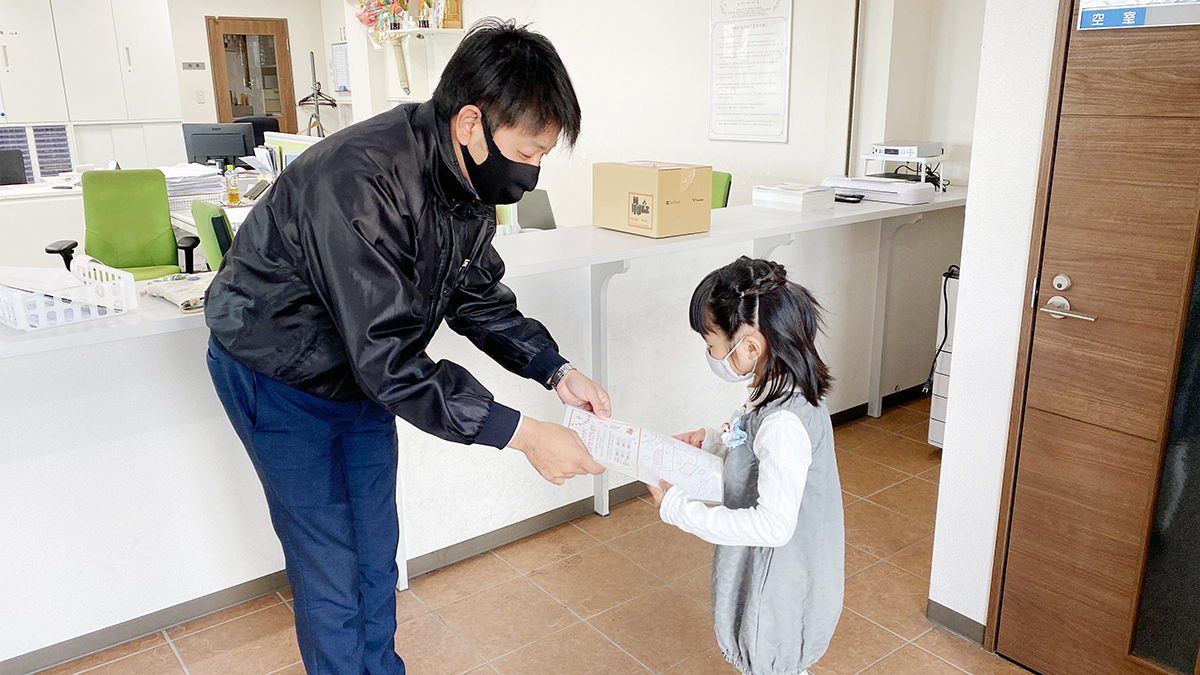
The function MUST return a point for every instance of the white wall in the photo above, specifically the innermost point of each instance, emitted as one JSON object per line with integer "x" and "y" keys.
{"x": 918, "y": 73}
{"x": 642, "y": 82}
{"x": 305, "y": 33}
{"x": 1013, "y": 80}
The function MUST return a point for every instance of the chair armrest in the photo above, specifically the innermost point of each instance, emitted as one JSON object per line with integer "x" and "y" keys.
{"x": 64, "y": 248}
{"x": 187, "y": 244}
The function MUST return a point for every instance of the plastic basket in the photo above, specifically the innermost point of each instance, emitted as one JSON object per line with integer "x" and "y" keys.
{"x": 104, "y": 292}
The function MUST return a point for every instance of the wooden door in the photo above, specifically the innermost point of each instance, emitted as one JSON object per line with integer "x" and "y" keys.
{"x": 252, "y": 69}
{"x": 1121, "y": 223}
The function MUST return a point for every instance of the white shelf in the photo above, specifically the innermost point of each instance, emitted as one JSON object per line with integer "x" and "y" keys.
{"x": 905, "y": 160}
{"x": 422, "y": 32}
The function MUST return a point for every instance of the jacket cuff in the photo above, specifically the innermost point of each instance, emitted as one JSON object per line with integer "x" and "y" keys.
{"x": 499, "y": 427}
{"x": 542, "y": 367}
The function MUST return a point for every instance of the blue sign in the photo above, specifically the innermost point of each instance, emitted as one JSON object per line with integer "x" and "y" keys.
{"x": 1120, "y": 17}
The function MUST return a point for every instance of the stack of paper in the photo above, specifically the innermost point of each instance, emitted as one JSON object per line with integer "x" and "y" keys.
{"x": 192, "y": 179}
{"x": 793, "y": 197}
{"x": 648, "y": 456}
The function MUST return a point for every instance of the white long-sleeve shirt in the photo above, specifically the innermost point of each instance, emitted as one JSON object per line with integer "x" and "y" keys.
{"x": 784, "y": 453}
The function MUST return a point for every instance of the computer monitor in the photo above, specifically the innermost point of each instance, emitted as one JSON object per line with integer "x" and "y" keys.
{"x": 222, "y": 142}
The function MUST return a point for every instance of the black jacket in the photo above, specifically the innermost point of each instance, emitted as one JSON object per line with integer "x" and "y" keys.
{"x": 368, "y": 241}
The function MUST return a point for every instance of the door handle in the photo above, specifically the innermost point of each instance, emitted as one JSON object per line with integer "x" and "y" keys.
{"x": 1060, "y": 308}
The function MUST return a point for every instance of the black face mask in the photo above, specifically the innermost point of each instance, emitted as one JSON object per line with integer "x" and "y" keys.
{"x": 499, "y": 180}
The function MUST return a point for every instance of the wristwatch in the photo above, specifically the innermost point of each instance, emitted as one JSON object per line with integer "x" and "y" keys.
{"x": 560, "y": 374}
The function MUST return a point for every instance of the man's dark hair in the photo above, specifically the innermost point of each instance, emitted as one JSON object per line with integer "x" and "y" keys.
{"x": 515, "y": 77}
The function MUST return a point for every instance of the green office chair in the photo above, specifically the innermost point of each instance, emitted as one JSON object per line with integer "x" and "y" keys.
{"x": 216, "y": 234}
{"x": 128, "y": 225}
{"x": 720, "y": 192}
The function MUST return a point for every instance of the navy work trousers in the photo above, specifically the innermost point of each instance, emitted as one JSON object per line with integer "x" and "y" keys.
{"x": 329, "y": 473}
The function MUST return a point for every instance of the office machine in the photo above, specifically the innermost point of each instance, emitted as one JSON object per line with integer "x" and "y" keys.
{"x": 907, "y": 149}
{"x": 890, "y": 190}
{"x": 222, "y": 142}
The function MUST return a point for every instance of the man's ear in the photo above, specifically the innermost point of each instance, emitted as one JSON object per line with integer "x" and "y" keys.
{"x": 469, "y": 117}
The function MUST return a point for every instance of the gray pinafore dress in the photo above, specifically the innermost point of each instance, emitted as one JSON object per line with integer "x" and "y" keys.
{"x": 775, "y": 609}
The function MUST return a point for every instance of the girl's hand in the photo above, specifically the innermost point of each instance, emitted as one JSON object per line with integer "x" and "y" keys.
{"x": 657, "y": 493}
{"x": 695, "y": 438}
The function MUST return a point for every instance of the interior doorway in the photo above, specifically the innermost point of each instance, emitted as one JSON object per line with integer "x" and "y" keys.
{"x": 1098, "y": 568}
{"x": 252, "y": 69}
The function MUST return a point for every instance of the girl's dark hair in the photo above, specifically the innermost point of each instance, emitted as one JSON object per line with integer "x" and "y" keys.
{"x": 757, "y": 293}
{"x": 515, "y": 77}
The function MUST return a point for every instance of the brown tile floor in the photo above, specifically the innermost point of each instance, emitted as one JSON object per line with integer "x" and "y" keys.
{"x": 625, "y": 594}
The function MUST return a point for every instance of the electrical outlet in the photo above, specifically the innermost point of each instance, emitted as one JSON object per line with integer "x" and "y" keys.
{"x": 199, "y": 96}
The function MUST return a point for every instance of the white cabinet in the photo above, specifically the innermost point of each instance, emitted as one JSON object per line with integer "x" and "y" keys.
{"x": 30, "y": 80}
{"x": 91, "y": 69}
{"x": 147, "y": 57}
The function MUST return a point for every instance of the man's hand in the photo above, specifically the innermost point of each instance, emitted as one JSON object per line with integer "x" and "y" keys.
{"x": 695, "y": 438}
{"x": 578, "y": 390}
{"x": 556, "y": 452}
{"x": 657, "y": 493}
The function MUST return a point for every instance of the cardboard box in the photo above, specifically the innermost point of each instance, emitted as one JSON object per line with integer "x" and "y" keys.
{"x": 653, "y": 199}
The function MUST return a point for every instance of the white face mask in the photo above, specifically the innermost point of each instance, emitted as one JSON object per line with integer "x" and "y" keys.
{"x": 723, "y": 370}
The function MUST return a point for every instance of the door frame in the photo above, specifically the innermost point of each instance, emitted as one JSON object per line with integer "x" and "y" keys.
{"x": 1064, "y": 29}
{"x": 215, "y": 27}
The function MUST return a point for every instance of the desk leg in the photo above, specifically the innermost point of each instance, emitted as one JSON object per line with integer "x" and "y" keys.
{"x": 601, "y": 275}
{"x": 763, "y": 248}
{"x": 887, "y": 233}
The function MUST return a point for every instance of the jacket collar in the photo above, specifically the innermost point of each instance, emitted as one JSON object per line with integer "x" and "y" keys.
{"x": 445, "y": 173}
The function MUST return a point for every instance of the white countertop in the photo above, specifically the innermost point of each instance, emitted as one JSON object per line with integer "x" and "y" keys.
{"x": 536, "y": 252}
{"x": 39, "y": 191}
{"x": 524, "y": 255}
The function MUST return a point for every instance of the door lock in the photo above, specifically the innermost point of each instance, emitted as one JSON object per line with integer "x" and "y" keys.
{"x": 1062, "y": 282}
{"x": 1059, "y": 307}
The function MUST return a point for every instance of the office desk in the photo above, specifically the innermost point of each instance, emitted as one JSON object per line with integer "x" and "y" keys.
{"x": 32, "y": 216}
{"x": 236, "y": 214}
{"x": 130, "y": 492}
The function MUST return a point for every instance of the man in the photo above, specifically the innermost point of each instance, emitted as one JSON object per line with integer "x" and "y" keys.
{"x": 331, "y": 292}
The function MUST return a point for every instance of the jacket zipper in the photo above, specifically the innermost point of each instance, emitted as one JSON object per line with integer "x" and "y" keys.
{"x": 443, "y": 277}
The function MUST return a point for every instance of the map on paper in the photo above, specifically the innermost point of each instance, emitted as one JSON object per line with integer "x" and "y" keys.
{"x": 647, "y": 455}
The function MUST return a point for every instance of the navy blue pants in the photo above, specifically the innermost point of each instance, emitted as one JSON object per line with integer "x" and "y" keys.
{"x": 329, "y": 473}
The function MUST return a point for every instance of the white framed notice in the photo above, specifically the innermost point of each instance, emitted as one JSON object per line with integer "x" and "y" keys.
{"x": 341, "y": 66}
{"x": 749, "y": 68}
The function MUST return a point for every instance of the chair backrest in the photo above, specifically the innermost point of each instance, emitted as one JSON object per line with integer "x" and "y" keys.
{"x": 261, "y": 124}
{"x": 216, "y": 234}
{"x": 534, "y": 212}
{"x": 12, "y": 167}
{"x": 504, "y": 214}
{"x": 720, "y": 192}
{"x": 127, "y": 218}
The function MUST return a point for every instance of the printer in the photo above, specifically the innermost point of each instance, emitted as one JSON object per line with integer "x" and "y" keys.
{"x": 891, "y": 190}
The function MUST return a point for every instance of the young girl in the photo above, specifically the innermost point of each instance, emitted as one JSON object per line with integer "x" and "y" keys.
{"x": 777, "y": 573}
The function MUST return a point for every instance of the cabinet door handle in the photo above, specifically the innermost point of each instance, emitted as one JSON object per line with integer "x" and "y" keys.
{"x": 4, "y": 52}
{"x": 128, "y": 59}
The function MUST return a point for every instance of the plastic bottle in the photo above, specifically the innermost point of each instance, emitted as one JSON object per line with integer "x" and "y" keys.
{"x": 232, "y": 193}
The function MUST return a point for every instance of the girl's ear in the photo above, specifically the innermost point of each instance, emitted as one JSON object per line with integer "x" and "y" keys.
{"x": 756, "y": 344}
